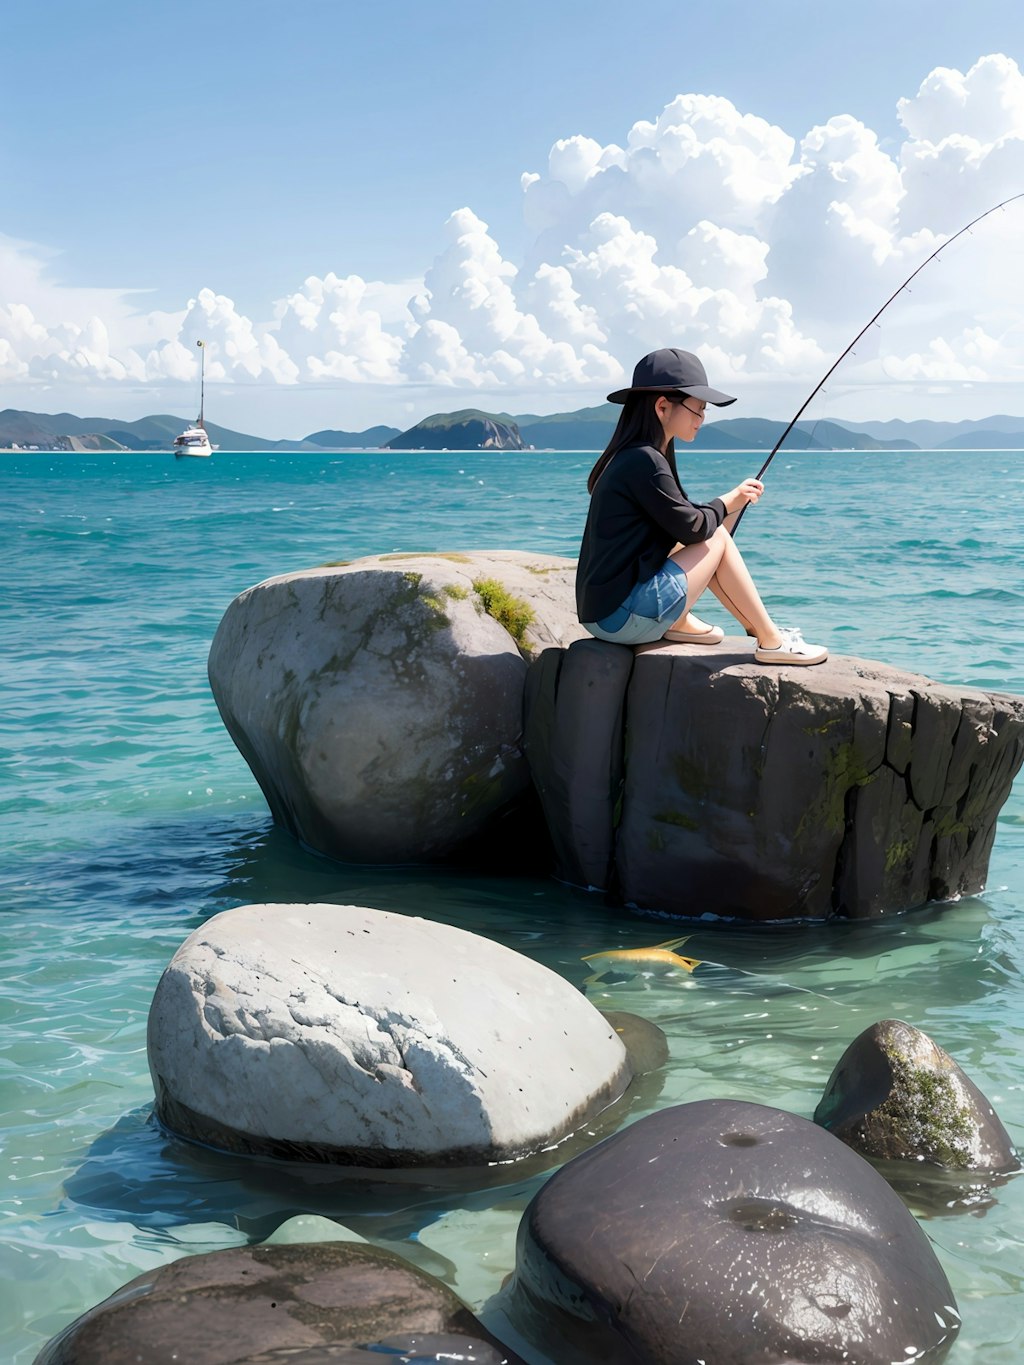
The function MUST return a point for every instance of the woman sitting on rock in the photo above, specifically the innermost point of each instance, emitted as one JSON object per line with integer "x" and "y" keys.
{"x": 649, "y": 552}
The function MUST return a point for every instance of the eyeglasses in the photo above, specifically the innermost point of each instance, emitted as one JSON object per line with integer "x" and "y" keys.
{"x": 697, "y": 412}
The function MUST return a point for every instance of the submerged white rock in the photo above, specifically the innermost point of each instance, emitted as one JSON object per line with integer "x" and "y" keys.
{"x": 339, "y": 1033}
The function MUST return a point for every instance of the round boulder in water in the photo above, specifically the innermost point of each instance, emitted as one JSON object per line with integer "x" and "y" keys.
{"x": 729, "y": 1233}
{"x": 329, "y": 1301}
{"x": 379, "y": 704}
{"x": 895, "y": 1095}
{"x": 342, "y": 1034}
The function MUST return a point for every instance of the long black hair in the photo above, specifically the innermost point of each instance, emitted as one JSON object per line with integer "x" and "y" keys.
{"x": 638, "y": 425}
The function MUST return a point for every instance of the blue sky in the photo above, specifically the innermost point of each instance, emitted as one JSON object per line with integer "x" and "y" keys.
{"x": 186, "y": 170}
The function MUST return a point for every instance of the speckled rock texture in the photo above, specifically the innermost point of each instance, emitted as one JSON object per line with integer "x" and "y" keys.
{"x": 379, "y": 704}
{"x": 729, "y": 1233}
{"x": 895, "y": 1095}
{"x": 693, "y": 781}
{"x": 340, "y": 1034}
{"x": 326, "y": 1302}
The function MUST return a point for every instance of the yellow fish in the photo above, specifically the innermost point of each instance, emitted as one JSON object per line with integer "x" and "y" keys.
{"x": 634, "y": 961}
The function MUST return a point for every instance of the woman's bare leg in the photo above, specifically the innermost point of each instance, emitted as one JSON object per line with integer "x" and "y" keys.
{"x": 688, "y": 623}
{"x": 730, "y": 605}
{"x": 719, "y": 559}
{"x": 693, "y": 625}
{"x": 720, "y": 592}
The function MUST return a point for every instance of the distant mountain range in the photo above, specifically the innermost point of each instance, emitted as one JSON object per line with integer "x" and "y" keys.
{"x": 64, "y": 431}
{"x": 471, "y": 429}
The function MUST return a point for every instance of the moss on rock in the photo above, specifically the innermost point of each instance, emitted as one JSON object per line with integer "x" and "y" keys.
{"x": 427, "y": 554}
{"x": 514, "y": 613}
{"x": 676, "y": 817}
{"x": 926, "y": 1113}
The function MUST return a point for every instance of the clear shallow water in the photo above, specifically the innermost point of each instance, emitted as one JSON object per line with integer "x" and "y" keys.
{"x": 129, "y": 818}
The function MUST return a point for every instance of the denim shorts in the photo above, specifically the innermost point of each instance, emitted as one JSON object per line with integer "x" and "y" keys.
{"x": 647, "y": 612}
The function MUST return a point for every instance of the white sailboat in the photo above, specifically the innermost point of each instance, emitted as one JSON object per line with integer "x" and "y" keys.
{"x": 194, "y": 440}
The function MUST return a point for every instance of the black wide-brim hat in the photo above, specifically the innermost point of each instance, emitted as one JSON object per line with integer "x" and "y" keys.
{"x": 672, "y": 371}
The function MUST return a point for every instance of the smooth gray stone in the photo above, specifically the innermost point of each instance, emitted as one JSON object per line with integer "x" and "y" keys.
{"x": 341, "y": 1034}
{"x": 326, "y": 1302}
{"x": 729, "y": 1233}
{"x": 379, "y": 704}
{"x": 895, "y": 1095}
{"x": 644, "y": 1041}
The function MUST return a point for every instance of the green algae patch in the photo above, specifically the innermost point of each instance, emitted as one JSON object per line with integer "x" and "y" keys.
{"x": 925, "y": 1114}
{"x": 436, "y": 602}
{"x": 897, "y": 853}
{"x": 336, "y": 564}
{"x": 427, "y": 554}
{"x": 676, "y": 817}
{"x": 514, "y": 613}
{"x": 844, "y": 770}
{"x": 947, "y": 825}
{"x": 824, "y": 729}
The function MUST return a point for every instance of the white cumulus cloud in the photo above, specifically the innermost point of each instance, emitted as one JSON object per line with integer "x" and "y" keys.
{"x": 330, "y": 328}
{"x": 470, "y": 293}
{"x": 703, "y": 225}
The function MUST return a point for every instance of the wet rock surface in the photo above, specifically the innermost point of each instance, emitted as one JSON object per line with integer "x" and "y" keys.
{"x": 895, "y": 1095}
{"x": 730, "y": 1233}
{"x": 379, "y": 703}
{"x": 327, "y": 1302}
{"x": 341, "y": 1034}
{"x": 691, "y": 781}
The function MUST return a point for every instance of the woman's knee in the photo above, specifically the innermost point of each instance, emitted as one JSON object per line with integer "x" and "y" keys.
{"x": 709, "y": 552}
{"x": 717, "y": 544}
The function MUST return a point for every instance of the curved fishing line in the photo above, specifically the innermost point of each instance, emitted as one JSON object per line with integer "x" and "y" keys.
{"x": 867, "y": 326}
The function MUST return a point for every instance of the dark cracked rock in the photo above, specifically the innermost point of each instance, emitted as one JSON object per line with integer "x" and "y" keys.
{"x": 320, "y": 1302}
{"x": 729, "y": 1233}
{"x": 692, "y": 781}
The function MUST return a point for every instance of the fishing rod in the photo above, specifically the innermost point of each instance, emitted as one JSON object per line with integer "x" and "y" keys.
{"x": 829, "y": 373}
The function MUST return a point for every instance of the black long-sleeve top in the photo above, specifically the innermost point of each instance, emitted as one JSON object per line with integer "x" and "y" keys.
{"x": 638, "y": 513}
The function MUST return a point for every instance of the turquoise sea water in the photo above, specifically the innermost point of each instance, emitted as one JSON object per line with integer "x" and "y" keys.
{"x": 129, "y": 818}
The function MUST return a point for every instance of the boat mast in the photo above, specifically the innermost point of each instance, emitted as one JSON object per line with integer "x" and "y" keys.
{"x": 202, "y": 377}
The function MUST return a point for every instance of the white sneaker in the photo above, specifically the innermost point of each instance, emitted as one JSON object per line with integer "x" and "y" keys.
{"x": 793, "y": 650}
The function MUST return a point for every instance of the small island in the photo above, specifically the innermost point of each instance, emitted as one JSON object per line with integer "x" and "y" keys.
{"x": 587, "y": 429}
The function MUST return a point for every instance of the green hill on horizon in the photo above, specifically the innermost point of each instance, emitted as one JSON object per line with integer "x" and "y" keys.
{"x": 586, "y": 429}
{"x": 369, "y": 439}
{"x": 153, "y": 433}
{"x": 468, "y": 429}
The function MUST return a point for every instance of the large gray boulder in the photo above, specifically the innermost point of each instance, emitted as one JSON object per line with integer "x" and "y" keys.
{"x": 694, "y": 781}
{"x": 379, "y": 703}
{"x": 301, "y": 1305}
{"x": 728, "y": 1233}
{"x": 340, "y": 1034}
